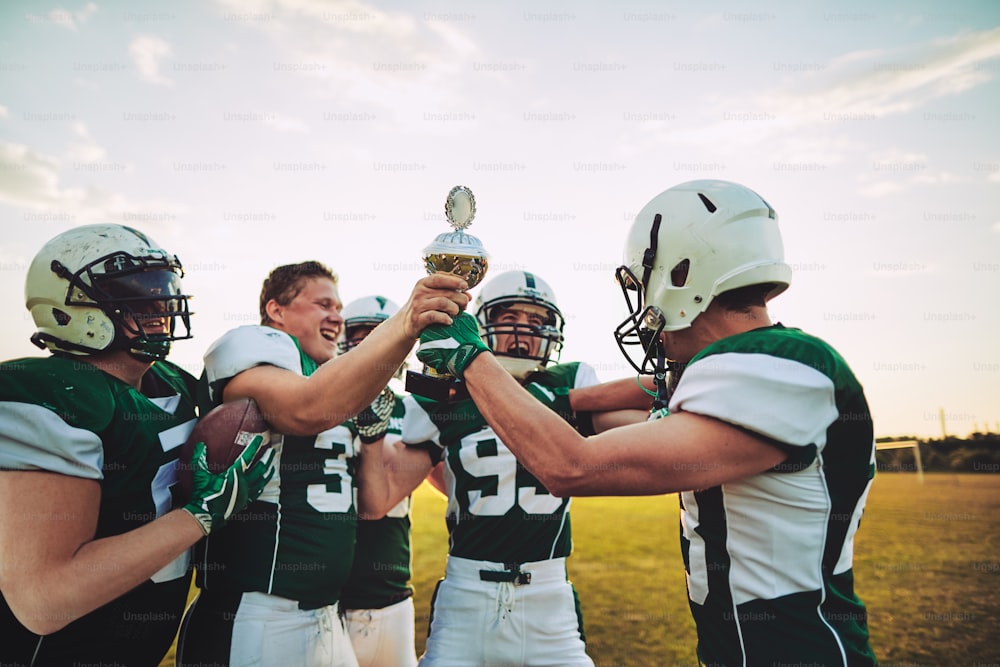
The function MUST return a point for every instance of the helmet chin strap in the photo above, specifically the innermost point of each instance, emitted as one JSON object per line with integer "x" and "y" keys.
{"x": 660, "y": 381}
{"x": 146, "y": 356}
{"x": 144, "y": 348}
{"x": 665, "y": 386}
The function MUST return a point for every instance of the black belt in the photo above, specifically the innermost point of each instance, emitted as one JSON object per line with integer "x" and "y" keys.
{"x": 511, "y": 575}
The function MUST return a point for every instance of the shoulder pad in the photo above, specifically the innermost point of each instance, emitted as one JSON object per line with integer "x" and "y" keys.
{"x": 175, "y": 376}
{"x": 246, "y": 347}
{"x": 79, "y": 392}
{"x": 418, "y": 428}
{"x": 572, "y": 375}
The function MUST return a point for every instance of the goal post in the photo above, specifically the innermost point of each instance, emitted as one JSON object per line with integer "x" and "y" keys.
{"x": 902, "y": 444}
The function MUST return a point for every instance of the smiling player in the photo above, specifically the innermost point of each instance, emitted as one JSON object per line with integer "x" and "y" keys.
{"x": 270, "y": 589}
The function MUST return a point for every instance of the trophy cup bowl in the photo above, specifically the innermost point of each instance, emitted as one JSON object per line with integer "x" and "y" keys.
{"x": 461, "y": 254}
{"x": 444, "y": 257}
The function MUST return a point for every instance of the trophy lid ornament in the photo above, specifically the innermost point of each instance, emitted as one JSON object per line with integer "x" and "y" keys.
{"x": 460, "y": 207}
{"x": 456, "y": 251}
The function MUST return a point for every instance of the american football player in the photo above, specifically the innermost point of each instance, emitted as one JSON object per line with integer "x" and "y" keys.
{"x": 505, "y": 597}
{"x": 767, "y": 435}
{"x": 378, "y": 598}
{"x": 95, "y": 561}
{"x": 270, "y": 589}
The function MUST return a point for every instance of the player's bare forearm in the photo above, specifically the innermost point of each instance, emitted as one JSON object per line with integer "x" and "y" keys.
{"x": 436, "y": 479}
{"x": 401, "y": 470}
{"x": 345, "y": 385}
{"x": 373, "y": 485}
{"x": 605, "y": 421}
{"x": 53, "y": 571}
{"x": 624, "y": 394}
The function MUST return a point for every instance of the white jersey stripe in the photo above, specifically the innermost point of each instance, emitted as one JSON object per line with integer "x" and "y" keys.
{"x": 36, "y": 438}
{"x": 776, "y": 531}
{"x": 697, "y": 577}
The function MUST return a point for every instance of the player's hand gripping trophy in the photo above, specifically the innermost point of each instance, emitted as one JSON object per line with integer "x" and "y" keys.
{"x": 452, "y": 252}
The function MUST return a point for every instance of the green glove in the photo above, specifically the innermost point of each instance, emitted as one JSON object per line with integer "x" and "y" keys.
{"x": 216, "y": 497}
{"x": 373, "y": 422}
{"x": 451, "y": 348}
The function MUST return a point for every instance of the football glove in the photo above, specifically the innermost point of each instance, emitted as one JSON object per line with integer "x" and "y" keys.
{"x": 216, "y": 497}
{"x": 451, "y": 348}
{"x": 373, "y": 422}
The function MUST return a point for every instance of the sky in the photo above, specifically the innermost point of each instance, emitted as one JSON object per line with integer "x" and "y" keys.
{"x": 245, "y": 134}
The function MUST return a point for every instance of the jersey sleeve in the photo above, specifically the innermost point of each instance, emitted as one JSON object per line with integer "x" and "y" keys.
{"x": 420, "y": 431}
{"x": 781, "y": 399}
{"x": 246, "y": 347}
{"x": 35, "y": 438}
{"x": 586, "y": 376}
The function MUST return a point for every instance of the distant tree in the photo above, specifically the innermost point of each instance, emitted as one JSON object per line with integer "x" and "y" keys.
{"x": 980, "y": 452}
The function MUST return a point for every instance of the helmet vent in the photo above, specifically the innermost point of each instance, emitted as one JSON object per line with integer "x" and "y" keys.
{"x": 707, "y": 202}
{"x": 679, "y": 274}
{"x": 61, "y": 317}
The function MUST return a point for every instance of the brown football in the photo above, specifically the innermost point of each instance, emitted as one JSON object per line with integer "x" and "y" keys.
{"x": 226, "y": 431}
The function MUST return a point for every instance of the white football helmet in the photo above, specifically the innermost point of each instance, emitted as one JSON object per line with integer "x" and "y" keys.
{"x": 528, "y": 290}
{"x": 368, "y": 311}
{"x": 689, "y": 244}
{"x": 90, "y": 285}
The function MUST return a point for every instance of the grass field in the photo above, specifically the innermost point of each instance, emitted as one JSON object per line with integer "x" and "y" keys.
{"x": 927, "y": 564}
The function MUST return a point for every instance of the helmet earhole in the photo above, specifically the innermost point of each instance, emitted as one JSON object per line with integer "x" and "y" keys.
{"x": 679, "y": 274}
{"x": 61, "y": 317}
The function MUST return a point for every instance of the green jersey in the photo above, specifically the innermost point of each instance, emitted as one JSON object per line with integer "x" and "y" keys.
{"x": 297, "y": 540}
{"x": 497, "y": 510}
{"x": 769, "y": 557}
{"x": 381, "y": 573}
{"x": 63, "y": 415}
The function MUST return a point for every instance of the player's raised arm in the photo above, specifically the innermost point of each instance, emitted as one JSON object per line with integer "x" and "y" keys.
{"x": 642, "y": 459}
{"x": 307, "y": 307}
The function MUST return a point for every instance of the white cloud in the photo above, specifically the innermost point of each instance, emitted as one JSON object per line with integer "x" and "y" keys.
{"x": 71, "y": 19}
{"x": 885, "y": 82}
{"x": 3, "y": 111}
{"x": 32, "y": 181}
{"x": 364, "y": 49}
{"x": 32, "y": 178}
{"x": 148, "y": 52}
{"x": 85, "y": 150}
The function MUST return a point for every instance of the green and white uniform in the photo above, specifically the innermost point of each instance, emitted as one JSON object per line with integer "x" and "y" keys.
{"x": 769, "y": 558}
{"x": 378, "y": 597}
{"x": 63, "y": 415}
{"x": 286, "y": 557}
{"x": 501, "y": 521}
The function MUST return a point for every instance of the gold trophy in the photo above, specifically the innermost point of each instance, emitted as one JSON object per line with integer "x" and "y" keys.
{"x": 452, "y": 252}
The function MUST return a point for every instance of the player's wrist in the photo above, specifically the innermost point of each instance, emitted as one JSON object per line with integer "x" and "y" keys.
{"x": 202, "y": 518}
{"x": 476, "y": 362}
{"x": 372, "y": 439}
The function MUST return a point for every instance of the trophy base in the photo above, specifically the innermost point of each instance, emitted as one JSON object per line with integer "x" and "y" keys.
{"x": 442, "y": 388}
